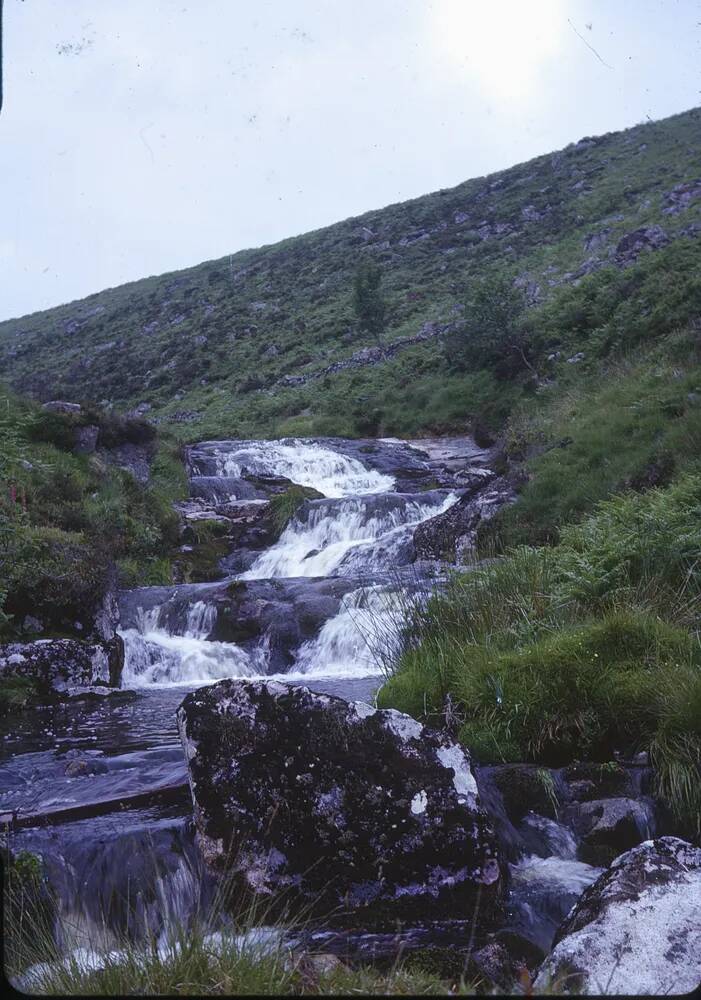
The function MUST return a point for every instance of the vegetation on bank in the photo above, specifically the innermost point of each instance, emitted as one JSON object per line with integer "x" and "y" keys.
{"x": 249, "y": 956}
{"x": 71, "y": 521}
{"x": 578, "y": 650}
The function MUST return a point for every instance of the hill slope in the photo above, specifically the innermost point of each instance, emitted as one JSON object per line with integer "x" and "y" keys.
{"x": 240, "y": 345}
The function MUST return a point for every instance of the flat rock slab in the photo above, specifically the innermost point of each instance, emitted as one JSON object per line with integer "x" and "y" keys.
{"x": 361, "y": 815}
{"x": 636, "y": 930}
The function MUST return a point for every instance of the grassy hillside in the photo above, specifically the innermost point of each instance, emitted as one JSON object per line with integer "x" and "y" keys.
{"x": 210, "y": 348}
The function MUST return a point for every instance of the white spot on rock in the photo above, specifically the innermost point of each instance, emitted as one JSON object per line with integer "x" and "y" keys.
{"x": 363, "y": 710}
{"x": 463, "y": 779}
{"x": 419, "y": 803}
{"x": 402, "y": 725}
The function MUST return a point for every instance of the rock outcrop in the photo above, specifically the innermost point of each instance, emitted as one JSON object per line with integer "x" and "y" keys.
{"x": 64, "y": 667}
{"x": 630, "y": 246}
{"x": 452, "y": 536}
{"x": 362, "y": 815}
{"x": 636, "y": 930}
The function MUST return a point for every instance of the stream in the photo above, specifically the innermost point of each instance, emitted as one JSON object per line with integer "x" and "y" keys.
{"x": 99, "y": 788}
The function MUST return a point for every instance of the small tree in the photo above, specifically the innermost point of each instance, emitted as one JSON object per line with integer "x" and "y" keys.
{"x": 368, "y": 301}
{"x": 493, "y": 334}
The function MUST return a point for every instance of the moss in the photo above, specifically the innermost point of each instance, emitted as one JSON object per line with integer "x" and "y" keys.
{"x": 284, "y": 506}
{"x": 15, "y": 693}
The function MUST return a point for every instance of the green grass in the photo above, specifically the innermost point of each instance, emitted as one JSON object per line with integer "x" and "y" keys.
{"x": 636, "y": 422}
{"x": 577, "y": 650}
{"x": 66, "y": 519}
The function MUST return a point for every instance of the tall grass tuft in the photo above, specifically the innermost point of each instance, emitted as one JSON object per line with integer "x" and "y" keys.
{"x": 581, "y": 648}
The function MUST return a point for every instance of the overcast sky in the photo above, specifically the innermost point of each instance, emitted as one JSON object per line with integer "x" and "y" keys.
{"x": 141, "y": 136}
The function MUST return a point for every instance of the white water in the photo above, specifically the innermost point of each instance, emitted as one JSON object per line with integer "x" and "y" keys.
{"x": 305, "y": 463}
{"x": 350, "y": 535}
{"x": 357, "y": 641}
{"x": 153, "y": 656}
{"x": 343, "y": 539}
{"x": 553, "y": 871}
{"x": 354, "y": 643}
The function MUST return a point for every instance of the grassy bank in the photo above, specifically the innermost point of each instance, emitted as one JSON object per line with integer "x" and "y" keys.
{"x": 577, "y": 650}
{"x": 70, "y": 520}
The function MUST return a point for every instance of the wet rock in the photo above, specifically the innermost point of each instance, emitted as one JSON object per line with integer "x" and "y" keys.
{"x": 636, "y": 930}
{"x": 609, "y": 826}
{"x": 64, "y": 667}
{"x": 586, "y": 781}
{"x": 525, "y": 787}
{"x": 360, "y": 814}
{"x": 451, "y": 536}
{"x": 82, "y": 766}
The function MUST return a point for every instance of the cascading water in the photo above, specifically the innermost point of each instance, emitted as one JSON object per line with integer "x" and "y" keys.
{"x": 356, "y": 642}
{"x": 303, "y": 462}
{"x": 155, "y": 656}
{"x": 322, "y": 606}
{"x": 346, "y": 537}
{"x": 360, "y": 531}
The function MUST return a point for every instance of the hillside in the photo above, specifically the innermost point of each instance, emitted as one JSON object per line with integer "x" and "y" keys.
{"x": 265, "y": 341}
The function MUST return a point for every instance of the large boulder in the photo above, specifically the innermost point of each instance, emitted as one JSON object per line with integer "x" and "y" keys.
{"x": 606, "y": 827}
{"x": 64, "y": 667}
{"x": 636, "y": 930}
{"x": 362, "y": 815}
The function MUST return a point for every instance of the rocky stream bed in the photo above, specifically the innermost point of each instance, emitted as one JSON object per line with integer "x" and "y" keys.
{"x": 251, "y": 699}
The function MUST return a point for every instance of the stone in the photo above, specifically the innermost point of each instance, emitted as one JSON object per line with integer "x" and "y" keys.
{"x": 362, "y": 815}
{"x": 32, "y": 624}
{"x": 86, "y": 439}
{"x": 60, "y": 406}
{"x": 587, "y": 781}
{"x": 681, "y": 196}
{"x": 452, "y": 535}
{"x": 609, "y": 826}
{"x": 636, "y": 930}
{"x": 133, "y": 458}
{"x": 64, "y": 667}
{"x": 595, "y": 241}
{"x": 646, "y": 238}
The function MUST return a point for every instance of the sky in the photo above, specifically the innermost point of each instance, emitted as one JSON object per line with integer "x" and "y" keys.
{"x": 142, "y": 136}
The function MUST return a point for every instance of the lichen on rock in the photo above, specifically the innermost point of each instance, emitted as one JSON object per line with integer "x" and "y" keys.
{"x": 362, "y": 815}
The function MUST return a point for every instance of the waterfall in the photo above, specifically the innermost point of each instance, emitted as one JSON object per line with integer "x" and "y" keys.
{"x": 348, "y": 537}
{"x": 358, "y": 641}
{"x": 360, "y": 531}
{"x": 155, "y": 656}
{"x": 303, "y": 462}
